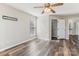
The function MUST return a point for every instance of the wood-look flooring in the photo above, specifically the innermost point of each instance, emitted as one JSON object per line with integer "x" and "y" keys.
{"x": 63, "y": 48}
{"x": 38, "y": 47}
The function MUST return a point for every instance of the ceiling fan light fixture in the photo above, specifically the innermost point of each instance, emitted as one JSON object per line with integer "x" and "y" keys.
{"x": 49, "y": 7}
{"x": 47, "y": 10}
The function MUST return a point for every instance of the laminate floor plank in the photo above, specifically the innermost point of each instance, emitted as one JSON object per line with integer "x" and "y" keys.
{"x": 40, "y": 47}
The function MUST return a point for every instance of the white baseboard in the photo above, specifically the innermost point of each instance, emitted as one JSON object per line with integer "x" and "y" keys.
{"x": 17, "y": 44}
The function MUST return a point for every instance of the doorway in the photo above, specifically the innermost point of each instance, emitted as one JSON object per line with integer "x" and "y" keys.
{"x": 54, "y": 29}
{"x": 58, "y": 29}
{"x": 73, "y": 31}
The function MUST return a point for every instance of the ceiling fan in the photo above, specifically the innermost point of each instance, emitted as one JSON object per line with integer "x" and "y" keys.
{"x": 49, "y": 7}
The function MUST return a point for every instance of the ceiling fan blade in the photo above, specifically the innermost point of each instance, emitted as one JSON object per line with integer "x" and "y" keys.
{"x": 53, "y": 11}
{"x": 39, "y": 7}
{"x": 47, "y": 4}
{"x": 43, "y": 12}
{"x": 58, "y": 4}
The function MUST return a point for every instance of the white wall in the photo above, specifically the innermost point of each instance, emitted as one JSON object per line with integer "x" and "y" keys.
{"x": 77, "y": 28}
{"x": 43, "y": 27}
{"x": 77, "y": 31}
{"x": 67, "y": 28}
{"x": 13, "y": 32}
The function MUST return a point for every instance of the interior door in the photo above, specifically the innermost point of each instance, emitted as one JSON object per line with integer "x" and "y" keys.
{"x": 61, "y": 29}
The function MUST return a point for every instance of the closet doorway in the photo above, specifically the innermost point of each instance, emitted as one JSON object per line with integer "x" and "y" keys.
{"x": 54, "y": 29}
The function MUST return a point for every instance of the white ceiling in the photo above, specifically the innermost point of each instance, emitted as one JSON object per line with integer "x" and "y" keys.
{"x": 66, "y": 9}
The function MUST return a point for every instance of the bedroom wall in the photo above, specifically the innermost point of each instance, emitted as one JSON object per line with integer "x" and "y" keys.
{"x": 13, "y": 32}
{"x": 43, "y": 27}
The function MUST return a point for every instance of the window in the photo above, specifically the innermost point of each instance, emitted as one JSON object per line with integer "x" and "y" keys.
{"x": 33, "y": 27}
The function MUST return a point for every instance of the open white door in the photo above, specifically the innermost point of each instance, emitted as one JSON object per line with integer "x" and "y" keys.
{"x": 61, "y": 29}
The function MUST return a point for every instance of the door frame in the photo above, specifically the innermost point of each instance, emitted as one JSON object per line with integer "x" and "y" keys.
{"x": 50, "y": 25}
